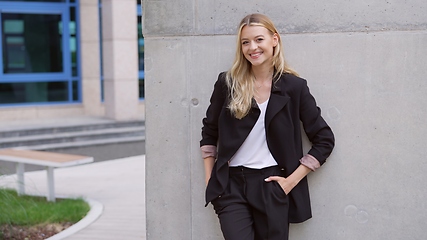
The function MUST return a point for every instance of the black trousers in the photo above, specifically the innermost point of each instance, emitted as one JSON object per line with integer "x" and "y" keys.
{"x": 251, "y": 208}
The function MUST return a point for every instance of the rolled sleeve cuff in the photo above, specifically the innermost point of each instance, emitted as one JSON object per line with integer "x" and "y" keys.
{"x": 310, "y": 162}
{"x": 208, "y": 151}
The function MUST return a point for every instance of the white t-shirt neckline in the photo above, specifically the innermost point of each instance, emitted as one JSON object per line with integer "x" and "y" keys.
{"x": 254, "y": 152}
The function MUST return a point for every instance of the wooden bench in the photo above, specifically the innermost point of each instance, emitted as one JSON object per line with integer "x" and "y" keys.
{"x": 48, "y": 159}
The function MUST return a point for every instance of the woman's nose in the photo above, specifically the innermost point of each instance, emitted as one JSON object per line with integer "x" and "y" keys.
{"x": 253, "y": 45}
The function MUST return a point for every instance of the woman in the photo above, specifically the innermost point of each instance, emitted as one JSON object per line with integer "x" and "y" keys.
{"x": 256, "y": 181}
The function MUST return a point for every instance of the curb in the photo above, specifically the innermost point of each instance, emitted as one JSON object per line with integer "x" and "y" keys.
{"x": 96, "y": 209}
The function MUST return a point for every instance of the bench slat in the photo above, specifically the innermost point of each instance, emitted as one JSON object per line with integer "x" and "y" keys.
{"x": 43, "y": 158}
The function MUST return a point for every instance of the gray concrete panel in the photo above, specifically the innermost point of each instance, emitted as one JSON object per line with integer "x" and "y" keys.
{"x": 168, "y": 18}
{"x": 369, "y": 82}
{"x": 205, "y": 17}
{"x": 372, "y": 90}
{"x": 207, "y": 57}
{"x": 168, "y": 177}
{"x": 180, "y": 88}
{"x": 372, "y": 98}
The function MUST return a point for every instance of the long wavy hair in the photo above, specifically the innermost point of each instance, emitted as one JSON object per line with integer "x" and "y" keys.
{"x": 240, "y": 78}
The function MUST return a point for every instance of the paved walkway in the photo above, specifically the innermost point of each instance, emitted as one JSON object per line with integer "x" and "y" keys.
{"x": 119, "y": 185}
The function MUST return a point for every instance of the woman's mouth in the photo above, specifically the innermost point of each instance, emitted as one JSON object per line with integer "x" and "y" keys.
{"x": 255, "y": 55}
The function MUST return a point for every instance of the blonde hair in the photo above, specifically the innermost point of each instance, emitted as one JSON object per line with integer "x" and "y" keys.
{"x": 240, "y": 78}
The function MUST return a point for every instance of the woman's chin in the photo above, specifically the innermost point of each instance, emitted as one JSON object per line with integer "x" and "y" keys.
{"x": 256, "y": 63}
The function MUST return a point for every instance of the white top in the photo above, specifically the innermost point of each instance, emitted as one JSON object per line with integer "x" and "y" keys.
{"x": 254, "y": 152}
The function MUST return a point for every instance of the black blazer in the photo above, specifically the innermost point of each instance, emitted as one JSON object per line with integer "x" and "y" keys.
{"x": 290, "y": 104}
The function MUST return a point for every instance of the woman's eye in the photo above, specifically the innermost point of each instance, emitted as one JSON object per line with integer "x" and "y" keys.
{"x": 260, "y": 39}
{"x": 245, "y": 42}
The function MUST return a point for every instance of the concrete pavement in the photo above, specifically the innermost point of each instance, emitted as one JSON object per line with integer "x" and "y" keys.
{"x": 119, "y": 185}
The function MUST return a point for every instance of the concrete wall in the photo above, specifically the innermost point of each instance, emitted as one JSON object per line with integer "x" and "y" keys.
{"x": 365, "y": 62}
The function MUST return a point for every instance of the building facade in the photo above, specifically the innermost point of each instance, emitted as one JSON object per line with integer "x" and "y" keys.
{"x": 71, "y": 58}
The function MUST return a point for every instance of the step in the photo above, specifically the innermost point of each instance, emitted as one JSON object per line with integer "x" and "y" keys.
{"x": 70, "y": 137}
{"x": 78, "y": 144}
{"x": 66, "y": 128}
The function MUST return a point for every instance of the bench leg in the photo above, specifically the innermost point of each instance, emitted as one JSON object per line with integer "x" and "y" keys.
{"x": 50, "y": 185}
{"x": 20, "y": 169}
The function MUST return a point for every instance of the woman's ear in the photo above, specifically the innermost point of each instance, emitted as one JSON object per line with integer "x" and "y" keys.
{"x": 275, "y": 39}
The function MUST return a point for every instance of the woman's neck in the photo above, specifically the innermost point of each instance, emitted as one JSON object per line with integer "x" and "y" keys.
{"x": 263, "y": 74}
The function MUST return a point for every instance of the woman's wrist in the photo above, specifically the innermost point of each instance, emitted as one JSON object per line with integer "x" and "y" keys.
{"x": 299, "y": 174}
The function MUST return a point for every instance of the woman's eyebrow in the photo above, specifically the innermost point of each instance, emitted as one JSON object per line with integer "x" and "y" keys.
{"x": 254, "y": 37}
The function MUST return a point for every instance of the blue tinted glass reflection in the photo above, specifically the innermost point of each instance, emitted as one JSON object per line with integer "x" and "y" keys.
{"x": 32, "y": 43}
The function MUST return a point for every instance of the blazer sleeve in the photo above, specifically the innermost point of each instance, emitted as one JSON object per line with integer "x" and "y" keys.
{"x": 210, "y": 121}
{"x": 316, "y": 128}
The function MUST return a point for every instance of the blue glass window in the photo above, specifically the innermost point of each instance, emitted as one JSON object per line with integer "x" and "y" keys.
{"x": 140, "y": 52}
{"x": 33, "y": 92}
{"x": 31, "y": 43}
{"x": 39, "y": 51}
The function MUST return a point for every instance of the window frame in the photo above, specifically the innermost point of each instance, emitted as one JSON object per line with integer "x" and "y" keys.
{"x": 62, "y": 9}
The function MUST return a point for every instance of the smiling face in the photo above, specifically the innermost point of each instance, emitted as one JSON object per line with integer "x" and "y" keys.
{"x": 258, "y": 44}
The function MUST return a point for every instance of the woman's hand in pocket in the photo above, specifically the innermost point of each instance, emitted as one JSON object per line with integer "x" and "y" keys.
{"x": 285, "y": 183}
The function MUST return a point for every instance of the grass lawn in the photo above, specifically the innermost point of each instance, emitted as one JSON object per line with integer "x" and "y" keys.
{"x": 25, "y": 212}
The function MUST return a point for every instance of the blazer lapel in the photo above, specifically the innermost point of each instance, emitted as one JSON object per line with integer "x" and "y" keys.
{"x": 276, "y": 103}
{"x": 236, "y": 131}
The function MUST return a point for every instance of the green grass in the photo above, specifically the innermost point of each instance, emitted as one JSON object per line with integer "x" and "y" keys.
{"x": 29, "y": 210}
